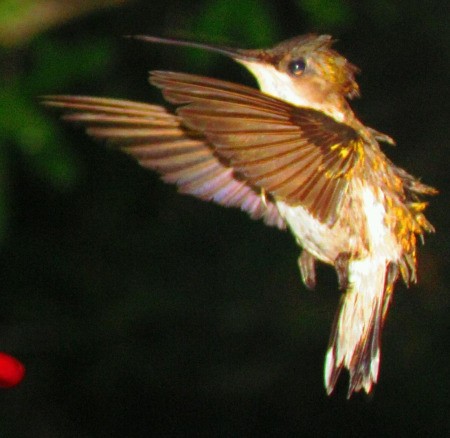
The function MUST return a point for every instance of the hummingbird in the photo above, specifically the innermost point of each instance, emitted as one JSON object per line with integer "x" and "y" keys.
{"x": 295, "y": 155}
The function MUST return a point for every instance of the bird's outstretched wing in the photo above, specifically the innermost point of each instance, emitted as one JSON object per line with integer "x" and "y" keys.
{"x": 157, "y": 140}
{"x": 295, "y": 154}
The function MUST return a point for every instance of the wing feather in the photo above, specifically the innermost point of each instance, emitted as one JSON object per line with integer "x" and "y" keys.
{"x": 297, "y": 155}
{"x": 155, "y": 138}
{"x": 229, "y": 143}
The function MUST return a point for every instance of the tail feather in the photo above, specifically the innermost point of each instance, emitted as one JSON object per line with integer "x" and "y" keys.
{"x": 355, "y": 337}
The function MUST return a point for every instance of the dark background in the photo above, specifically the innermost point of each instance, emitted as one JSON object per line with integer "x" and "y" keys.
{"x": 140, "y": 312}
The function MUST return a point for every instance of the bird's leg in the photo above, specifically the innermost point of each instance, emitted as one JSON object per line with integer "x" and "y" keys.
{"x": 307, "y": 265}
{"x": 341, "y": 266}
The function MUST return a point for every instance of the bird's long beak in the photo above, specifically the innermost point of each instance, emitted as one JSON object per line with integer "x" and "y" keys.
{"x": 237, "y": 54}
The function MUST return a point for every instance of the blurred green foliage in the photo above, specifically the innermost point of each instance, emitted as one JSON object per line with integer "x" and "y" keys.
{"x": 46, "y": 64}
{"x": 328, "y": 14}
{"x": 13, "y": 10}
{"x": 262, "y": 31}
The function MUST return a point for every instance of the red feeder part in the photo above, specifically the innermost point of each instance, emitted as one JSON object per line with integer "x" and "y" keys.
{"x": 11, "y": 371}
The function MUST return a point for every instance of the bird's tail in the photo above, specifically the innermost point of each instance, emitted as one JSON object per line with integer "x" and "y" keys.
{"x": 355, "y": 337}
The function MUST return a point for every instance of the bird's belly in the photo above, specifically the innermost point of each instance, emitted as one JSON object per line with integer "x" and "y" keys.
{"x": 360, "y": 230}
{"x": 319, "y": 239}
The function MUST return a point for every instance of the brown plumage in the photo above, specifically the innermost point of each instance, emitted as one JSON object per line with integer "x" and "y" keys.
{"x": 294, "y": 155}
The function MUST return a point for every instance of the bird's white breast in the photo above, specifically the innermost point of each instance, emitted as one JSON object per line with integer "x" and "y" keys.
{"x": 363, "y": 231}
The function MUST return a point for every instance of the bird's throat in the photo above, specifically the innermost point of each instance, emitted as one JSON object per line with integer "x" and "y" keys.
{"x": 280, "y": 85}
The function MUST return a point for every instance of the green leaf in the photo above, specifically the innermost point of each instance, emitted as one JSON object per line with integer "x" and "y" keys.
{"x": 13, "y": 10}
{"x": 326, "y": 14}
{"x": 58, "y": 64}
{"x": 22, "y": 124}
{"x": 259, "y": 31}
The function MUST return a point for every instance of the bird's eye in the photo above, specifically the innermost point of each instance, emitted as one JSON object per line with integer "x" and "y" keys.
{"x": 297, "y": 66}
